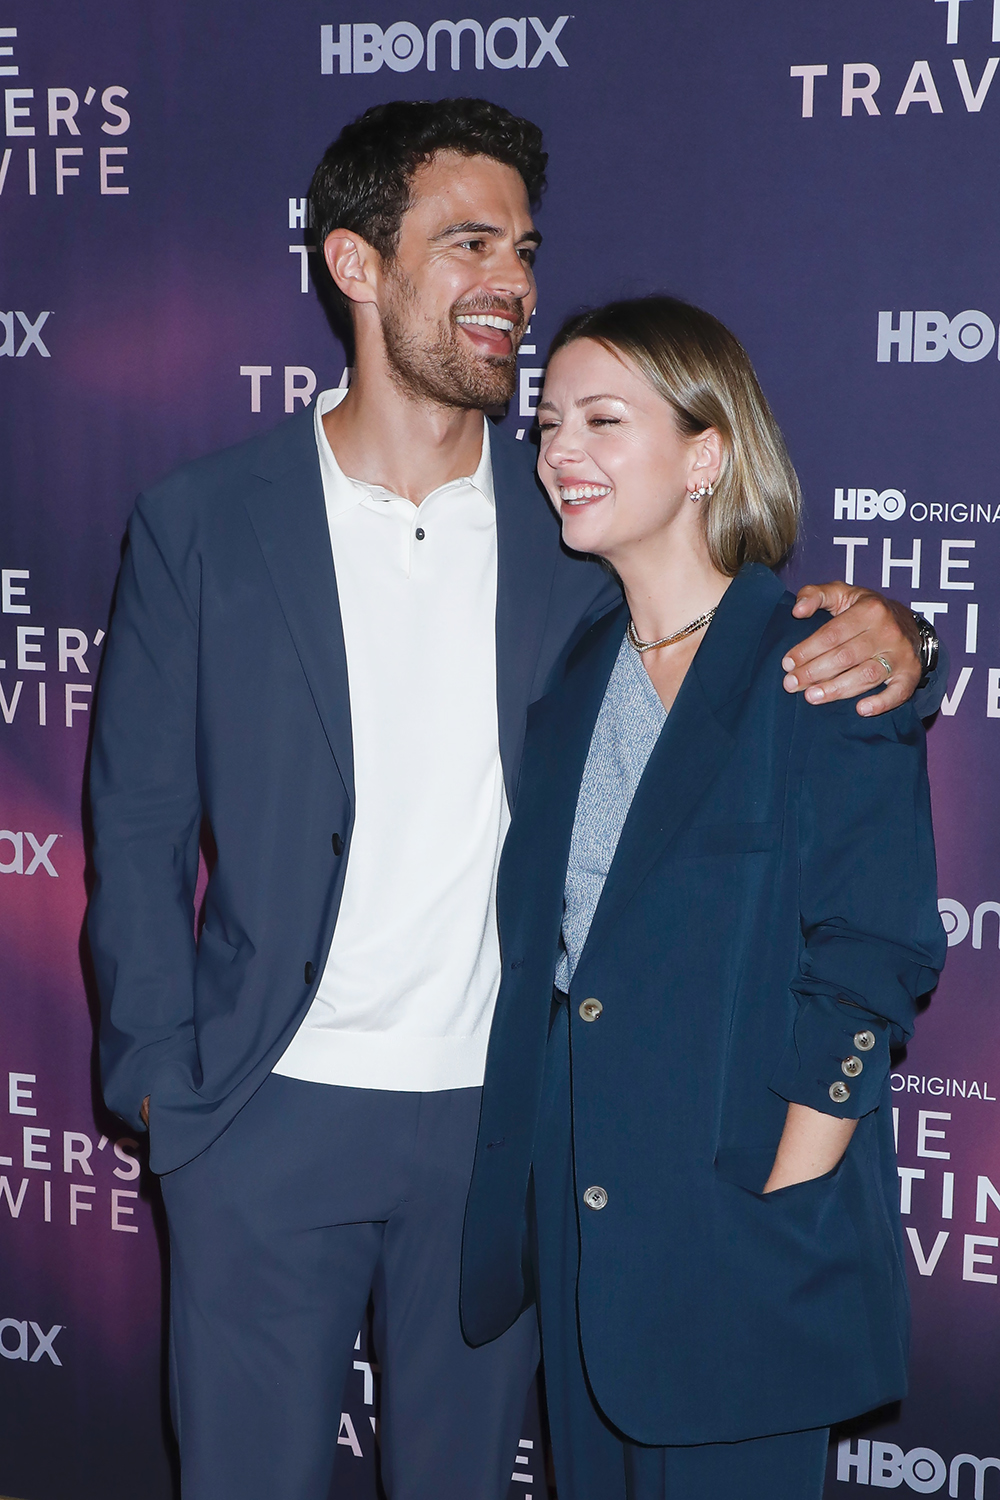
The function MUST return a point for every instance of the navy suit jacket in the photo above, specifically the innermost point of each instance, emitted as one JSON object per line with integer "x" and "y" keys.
{"x": 772, "y": 896}
{"x": 224, "y": 699}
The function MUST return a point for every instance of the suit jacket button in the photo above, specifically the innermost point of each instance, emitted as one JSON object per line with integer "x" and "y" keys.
{"x": 864, "y": 1040}
{"x": 595, "y": 1198}
{"x": 590, "y": 1010}
{"x": 310, "y": 973}
{"x": 839, "y": 1093}
{"x": 338, "y": 845}
{"x": 851, "y": 1067}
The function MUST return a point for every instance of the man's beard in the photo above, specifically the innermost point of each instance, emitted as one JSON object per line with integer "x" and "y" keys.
{"x": 447, "y": 369}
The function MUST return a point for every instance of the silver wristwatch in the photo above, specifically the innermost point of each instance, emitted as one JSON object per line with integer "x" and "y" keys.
{"x": 929, "y": 648}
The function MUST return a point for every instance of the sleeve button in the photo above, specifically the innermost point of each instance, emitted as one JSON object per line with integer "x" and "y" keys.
{"x": 310, "y": 973}
{"x": 851, "y": 1067}
{"x": 338, "y": 845}
{"x": 839, "y": 1093}
{"x": 864, "y": 1040}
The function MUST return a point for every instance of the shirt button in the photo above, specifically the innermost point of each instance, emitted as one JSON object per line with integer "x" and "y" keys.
{"x": 864, "y": 1040}
{"x": 420, "y": 533}
{"x": 851, "y": 1067}
{"x": 310, "y": 973}
{"x": 839, "y": 1093}
{"x": 590, "y": 1010}
{"x": 338, "y": 845}
{"x": 595, "y": 1198}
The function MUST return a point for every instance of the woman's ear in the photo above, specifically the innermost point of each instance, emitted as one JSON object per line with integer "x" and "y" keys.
{"x": 706, "y": 453}
{"x": 353, "y": 264}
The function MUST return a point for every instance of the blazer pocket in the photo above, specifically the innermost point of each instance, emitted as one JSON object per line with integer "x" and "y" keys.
{"x": 750, "y": 1169}
{"x": 725, "y": 838}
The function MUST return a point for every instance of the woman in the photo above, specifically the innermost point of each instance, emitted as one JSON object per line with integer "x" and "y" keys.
{"x": 735, "y": 896}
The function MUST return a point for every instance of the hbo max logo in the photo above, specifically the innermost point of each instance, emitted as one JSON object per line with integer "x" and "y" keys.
{"x": 365, "y": 48}
{"x": 16, "y": 1342}
{"x": 926, "y": 337}
{"x": 923, "y": 1471}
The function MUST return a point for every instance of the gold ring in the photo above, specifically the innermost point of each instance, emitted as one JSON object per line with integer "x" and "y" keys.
{"x": 888, "y": 668}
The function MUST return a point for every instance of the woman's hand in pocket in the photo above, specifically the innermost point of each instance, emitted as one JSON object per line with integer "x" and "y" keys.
{"x": 811, "y": 1145}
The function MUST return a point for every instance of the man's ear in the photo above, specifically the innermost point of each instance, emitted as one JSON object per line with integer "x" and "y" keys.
{"x": 353, "y": 264}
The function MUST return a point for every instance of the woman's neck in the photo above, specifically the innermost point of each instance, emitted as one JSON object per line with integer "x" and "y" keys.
{"x": 670, "y": 585}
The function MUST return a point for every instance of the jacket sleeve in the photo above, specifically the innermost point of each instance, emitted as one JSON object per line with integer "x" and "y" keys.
{"x": 146, "y": 816}
{"x": 872, "y": 939}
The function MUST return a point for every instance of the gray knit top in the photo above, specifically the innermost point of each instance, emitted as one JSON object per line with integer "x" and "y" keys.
{"x": 627, "y": 728}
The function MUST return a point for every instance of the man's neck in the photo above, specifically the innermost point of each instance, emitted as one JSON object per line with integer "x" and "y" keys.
{"x": 407, "y": 444}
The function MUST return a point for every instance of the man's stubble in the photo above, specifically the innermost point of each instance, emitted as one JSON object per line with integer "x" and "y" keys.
{"x": 444, "y": 368}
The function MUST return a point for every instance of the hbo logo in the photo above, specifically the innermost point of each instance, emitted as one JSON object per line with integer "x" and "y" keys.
{"x": 926, "y": 337}
{"x": 866, "y": 505}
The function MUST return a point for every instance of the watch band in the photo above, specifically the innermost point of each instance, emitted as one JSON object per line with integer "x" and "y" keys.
{"x": 930, "y": 645}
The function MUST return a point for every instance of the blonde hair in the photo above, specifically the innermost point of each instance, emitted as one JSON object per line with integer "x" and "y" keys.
{"x": 705, "y": 375}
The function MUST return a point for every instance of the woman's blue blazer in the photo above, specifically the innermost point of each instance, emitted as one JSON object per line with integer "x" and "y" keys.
{"x": 772, "y": 899}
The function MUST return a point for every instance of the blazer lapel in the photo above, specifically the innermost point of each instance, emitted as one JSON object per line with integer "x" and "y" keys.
{"x": 537, "y": 849}
{"x": 695, "y": 743}
{"x": 288, "y": 514}
{"x": 526, "y": 557}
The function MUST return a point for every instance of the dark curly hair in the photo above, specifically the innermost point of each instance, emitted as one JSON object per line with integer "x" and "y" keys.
{"x": 363, "y": 182}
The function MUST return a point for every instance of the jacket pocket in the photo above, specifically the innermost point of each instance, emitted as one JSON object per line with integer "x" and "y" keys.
{"x": 750, "y": 1169}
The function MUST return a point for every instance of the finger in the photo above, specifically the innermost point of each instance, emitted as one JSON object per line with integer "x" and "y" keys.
{"x": 860, "y": 632}
{"x": 823, "y": 657}
{"x": 807, "y": 601}
{"x": 863, "y": 678}
{"x": 835, "y": 597}
{"x": 895, "y": 694}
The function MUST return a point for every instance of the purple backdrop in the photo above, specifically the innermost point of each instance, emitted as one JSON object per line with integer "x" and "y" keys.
{"x": 820, "y": 176}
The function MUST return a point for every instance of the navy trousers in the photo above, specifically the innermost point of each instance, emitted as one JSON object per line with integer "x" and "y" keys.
{"x": 313, "y": 1198}
{"x": 593, "y": 1461}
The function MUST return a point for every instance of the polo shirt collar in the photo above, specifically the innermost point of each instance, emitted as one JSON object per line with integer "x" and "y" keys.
{"x": 342, "y": 491}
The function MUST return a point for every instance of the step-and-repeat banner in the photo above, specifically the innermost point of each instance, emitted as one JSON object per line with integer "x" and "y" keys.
{"x": 821, "y": 176}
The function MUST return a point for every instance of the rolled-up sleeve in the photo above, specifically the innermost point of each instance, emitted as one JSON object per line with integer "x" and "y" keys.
{"x": 872, "y": 939}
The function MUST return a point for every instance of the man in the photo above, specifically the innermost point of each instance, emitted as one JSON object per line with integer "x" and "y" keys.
{"x": 324, "y": 646}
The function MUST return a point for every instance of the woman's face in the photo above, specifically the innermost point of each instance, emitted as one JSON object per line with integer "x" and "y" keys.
{"x": 611, "y": 458}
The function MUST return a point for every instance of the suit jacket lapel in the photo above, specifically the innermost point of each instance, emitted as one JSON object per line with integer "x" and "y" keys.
{"x": 526, "y": 557}
{"x": 696, "y": 741}
{"x": 546, "y": 807}
{"x": 288, "y": 515}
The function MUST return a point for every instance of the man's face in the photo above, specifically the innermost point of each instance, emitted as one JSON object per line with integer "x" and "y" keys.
{"x": 458, "y": 296}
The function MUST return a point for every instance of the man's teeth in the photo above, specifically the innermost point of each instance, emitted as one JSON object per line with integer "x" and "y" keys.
{"x": 488, "y": 320}
{"x": 569, "y": 493}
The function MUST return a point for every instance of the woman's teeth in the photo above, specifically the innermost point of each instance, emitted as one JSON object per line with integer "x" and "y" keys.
{"x": 573, "y": 494}
{"x": 488, "y": 320}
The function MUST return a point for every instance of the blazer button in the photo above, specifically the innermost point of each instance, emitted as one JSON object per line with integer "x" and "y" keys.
{"x": 864, "y": 1040}
{"x": 310, "y": 973}
{"x": 338, "y": 845}
{"x": 839, "y": 1093}
{"x": 595, "y": 1198}
{"x": 851, "y": 1067}
{"x": 590, "y": 1010}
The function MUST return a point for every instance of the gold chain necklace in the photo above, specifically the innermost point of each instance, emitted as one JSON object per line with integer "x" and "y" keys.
{"x": 668, "y": 640}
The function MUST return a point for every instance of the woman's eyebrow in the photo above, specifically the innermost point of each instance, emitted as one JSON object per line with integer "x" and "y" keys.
{"x": 584, "y": 401}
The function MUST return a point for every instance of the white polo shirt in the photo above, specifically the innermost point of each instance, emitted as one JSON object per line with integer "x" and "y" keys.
{"x": 407, "y": 995}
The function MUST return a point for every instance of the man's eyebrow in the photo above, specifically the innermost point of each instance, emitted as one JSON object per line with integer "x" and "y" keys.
{"x": 469, "y": 226}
